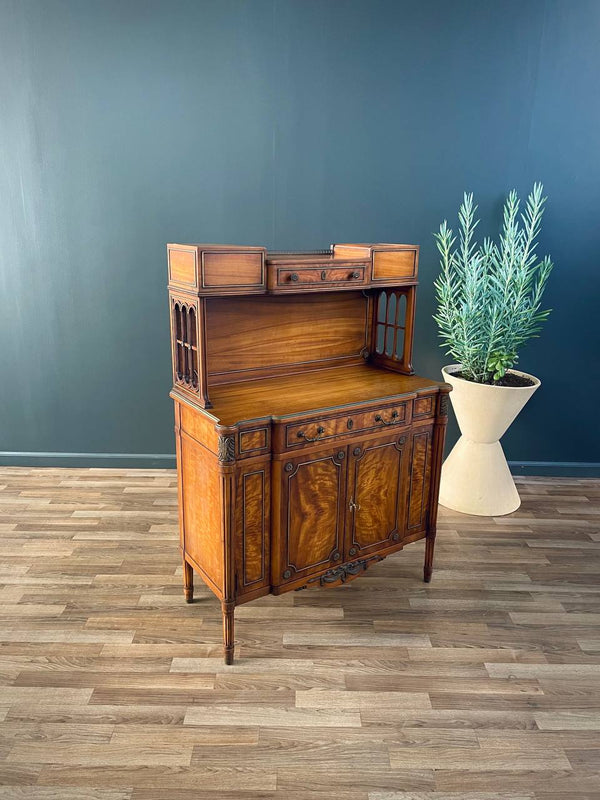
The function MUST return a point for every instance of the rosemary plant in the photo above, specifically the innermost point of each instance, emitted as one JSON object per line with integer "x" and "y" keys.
{"x": 489, "y": 295}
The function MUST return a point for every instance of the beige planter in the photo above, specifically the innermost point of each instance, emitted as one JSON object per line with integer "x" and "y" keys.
{"x": 475, "y": 476}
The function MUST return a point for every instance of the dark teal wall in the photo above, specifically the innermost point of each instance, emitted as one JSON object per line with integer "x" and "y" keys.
{"x": 125, "y": 124}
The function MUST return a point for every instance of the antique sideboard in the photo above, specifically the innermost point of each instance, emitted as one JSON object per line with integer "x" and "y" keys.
{"x": 307, "y": 448}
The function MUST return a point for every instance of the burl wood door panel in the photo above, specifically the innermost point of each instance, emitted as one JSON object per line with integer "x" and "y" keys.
{"x": 252, "y": 534}
{"x": 420, "y": 479}
{"x": 312, "y": 514}
{"x": 377, "y": 489}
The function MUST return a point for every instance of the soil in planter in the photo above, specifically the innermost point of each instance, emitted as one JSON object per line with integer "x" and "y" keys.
{"x": 510, "y": 379}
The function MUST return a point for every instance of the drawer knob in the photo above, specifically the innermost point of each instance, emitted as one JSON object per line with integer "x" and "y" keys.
{"x": 324, "y": 275}
{"x": 355, "y": 275}
{"x": 350, "y": 424}
{"x": 294, "y": 276}
{"x": 320, "y": 432}
{"x": 392, "y": 421}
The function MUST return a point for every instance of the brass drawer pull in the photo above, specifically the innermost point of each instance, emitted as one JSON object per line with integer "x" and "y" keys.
{"x": 394, "y": 419}
{"x": 324, "y": 275}
{"x": 353, "y": 506}
{"x": 355, "y": 275}
{"x": 294, "y": 276}
{"x": 320, "y": 432}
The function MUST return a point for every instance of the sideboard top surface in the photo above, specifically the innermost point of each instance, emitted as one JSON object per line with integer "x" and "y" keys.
{"x": 326, "y": 389}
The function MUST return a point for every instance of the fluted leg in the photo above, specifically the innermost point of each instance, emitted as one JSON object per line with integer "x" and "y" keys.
{"x": 188, "y": 582}
{"x": 228, "y": 641}
{"x": 429, "y": 546}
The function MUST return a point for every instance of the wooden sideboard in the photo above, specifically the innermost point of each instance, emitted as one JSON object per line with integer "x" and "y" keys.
{"x": 307, "y": 448}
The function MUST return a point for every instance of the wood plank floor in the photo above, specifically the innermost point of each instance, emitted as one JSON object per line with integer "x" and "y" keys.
{"x": 484, "y": 684}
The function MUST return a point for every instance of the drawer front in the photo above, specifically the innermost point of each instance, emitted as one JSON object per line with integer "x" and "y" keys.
{"x": 236, "y": 270}
{"x": 254, "y": 441}
{"x": 316, "y": 430}
{"x": 291, "y": 278}
{"x": 394, "y": 265}
{"x": 424, "y": 407}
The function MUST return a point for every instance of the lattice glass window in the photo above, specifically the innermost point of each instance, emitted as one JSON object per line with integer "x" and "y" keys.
{"x": 186, "y": 344}
{"x": 391, "y": 323}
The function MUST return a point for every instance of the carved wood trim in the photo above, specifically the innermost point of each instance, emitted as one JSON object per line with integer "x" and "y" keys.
{"x": 226, "y": 449}
{"x": 344, "y": 572}
{"x": 443, "y": 405}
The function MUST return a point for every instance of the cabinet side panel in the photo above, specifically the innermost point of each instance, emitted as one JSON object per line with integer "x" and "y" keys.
{"x": 200, "y": 427}
{"x": 183, "y": 267}
{"x": 420, "y": 474}
{"x": 203, "y": 536}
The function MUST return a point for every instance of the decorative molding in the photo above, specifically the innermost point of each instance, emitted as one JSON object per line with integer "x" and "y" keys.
{"x": 443, "y": 412}
{"x": 226, "y": 449}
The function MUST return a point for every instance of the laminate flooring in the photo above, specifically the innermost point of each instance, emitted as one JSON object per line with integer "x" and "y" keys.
{"x": 483, "y": 684}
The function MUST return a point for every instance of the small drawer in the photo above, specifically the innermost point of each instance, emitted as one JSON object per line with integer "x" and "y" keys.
{"x": 254, "y": 441}
{"x": 317, "y": 430}
{"x": 424, "y": 407}
{"x": 291, "y": 278}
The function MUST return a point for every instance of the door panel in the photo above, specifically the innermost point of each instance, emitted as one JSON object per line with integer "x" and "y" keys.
{"x": 252, "y": 527}
{"x": 420, "y": 479}
{"x": 376, "y": 495}
{"x": 312, "y": 514}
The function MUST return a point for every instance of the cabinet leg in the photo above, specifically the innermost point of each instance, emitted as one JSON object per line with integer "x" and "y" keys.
{"x": 228, "y": 641}
{"x": 429, "y": 546}
{"x": 188, "y": 582}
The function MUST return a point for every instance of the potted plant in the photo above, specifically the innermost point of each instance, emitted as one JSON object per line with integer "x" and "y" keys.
{"x": 489, "y": 305}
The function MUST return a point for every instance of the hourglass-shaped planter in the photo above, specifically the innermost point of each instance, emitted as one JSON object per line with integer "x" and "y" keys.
{"x": 475, "y": 476}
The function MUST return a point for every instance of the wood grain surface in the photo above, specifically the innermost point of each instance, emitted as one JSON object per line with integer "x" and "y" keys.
{"x": 483, "y": 685}
{"x": 326, "y": 389}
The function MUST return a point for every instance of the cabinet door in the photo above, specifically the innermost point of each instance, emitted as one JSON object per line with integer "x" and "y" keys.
{"x": 311, "y": 514}
{"x": 377, "y": 491}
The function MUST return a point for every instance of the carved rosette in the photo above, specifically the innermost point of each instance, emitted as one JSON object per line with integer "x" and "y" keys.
{"x": 226, "y": 449}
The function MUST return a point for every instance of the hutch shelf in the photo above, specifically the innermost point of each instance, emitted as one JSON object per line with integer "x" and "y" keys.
{"x": 307, "y": 448}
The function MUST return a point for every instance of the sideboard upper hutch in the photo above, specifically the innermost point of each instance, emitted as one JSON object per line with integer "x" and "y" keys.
{"x": 307, "y": 449}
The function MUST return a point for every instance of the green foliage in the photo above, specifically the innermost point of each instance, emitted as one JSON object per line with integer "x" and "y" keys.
{"x": 489, "y": 295}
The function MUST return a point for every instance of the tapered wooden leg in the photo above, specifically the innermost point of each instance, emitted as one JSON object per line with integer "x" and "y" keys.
{"x": 429, "y": 546}
{"x": 228, "y": 642}
{"x": 188, "y": 582}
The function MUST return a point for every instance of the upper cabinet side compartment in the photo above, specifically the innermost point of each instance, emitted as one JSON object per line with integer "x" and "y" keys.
{"x": 389, "y": 263}
{"x": 217, "y": 269}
